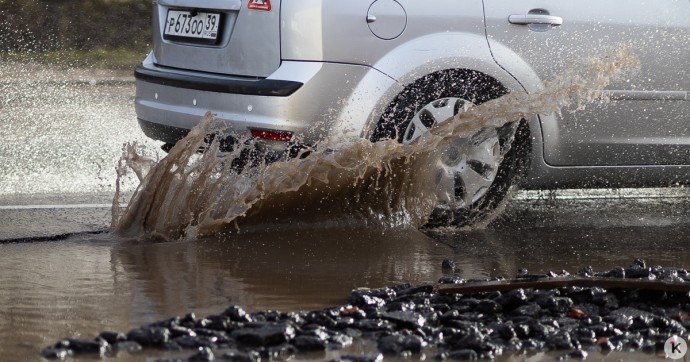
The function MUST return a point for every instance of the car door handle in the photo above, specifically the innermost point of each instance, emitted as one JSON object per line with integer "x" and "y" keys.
{"x": 528, "y": 19}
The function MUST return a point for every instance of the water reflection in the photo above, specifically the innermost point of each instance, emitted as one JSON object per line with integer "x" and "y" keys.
{"x": 290, "y": 270}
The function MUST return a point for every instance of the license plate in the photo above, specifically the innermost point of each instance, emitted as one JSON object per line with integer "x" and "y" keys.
{"x": 193, "y": 26}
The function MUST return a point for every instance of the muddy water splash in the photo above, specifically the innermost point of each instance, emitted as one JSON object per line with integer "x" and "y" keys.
{"x": 388, "y": 184}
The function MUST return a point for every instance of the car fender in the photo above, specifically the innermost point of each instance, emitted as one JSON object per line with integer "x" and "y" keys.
{"x": 431, "y": 53}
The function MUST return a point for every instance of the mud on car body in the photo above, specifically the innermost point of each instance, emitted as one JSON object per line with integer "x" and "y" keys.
{"x": 287, "y": 71}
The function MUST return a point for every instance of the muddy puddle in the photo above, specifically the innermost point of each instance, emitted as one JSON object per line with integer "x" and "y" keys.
{"x": 81, "y": 286}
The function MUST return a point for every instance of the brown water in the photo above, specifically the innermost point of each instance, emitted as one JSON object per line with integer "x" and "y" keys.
{"x": 81, "y": 286}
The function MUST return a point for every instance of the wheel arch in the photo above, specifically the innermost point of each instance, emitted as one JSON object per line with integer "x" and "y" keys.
{"x": 452, "y": 51}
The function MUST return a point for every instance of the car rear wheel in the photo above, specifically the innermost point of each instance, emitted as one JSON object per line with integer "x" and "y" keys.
{"x": 474, "y": 173}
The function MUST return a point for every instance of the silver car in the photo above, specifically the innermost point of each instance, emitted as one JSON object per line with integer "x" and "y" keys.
{"x": 291, "y": 72}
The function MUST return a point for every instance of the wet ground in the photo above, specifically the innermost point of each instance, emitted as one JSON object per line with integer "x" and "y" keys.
{"x": 59, "y": 153}
{"x": 84, "y": 284}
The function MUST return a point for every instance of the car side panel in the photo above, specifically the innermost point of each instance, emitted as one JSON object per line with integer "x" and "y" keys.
{"x": 646, "y": 122}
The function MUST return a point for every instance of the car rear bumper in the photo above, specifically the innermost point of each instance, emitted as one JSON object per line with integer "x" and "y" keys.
{"x": 216, "y": 83}
{"x": 310, "y": 99}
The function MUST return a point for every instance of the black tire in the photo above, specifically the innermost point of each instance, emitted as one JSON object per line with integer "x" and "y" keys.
{"x": 476, "y": 88}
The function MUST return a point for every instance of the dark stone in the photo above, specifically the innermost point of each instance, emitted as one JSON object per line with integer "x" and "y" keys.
{"x": 237, "y": 314}
{"x": 127, "y": 346}
{"x": 84, "y": 346}
{"x": 399, "y": 306}
{"x": 488, "y": 306}
{"x": 447, "y": 265}
{"x": 190, "y": 342}
{"x": 579, "y": 295}
{"x": 578, "y": 354}
{"x": 310, "y": 343}
{"x": 586, "y": 272}
{"x": 424, "y": 288}
{"x": 473, "y": 317}
{"x": 236, "y": 356}
{"x": 451, "y": 280}
{"x": 294, "y": 318}
{"x": 373, "y": 357}
{"x": 522, "y": 330}
{"x": 641, "y": 322}
{"x": 321, "y": 319}
{"x": 607, "y": 346}
{"x": 405, "y": 319}
{"x": 170, "y": 322}
{"x": 621, "y": 322}
{"x": 267, "y": 316}
{"x": 614, "y": 273}
{"x": 282, "y": 352}
{"x": 440, "y": 306}
{"x": 149, "y": 336}
{"x": 539, "y": 330}
{"x": 606, "y": 300}
{"x": 218, "y": 322}
{"x": 670, "y": 275}
{"x": 528, "y": 310}
{"x": 450, "y": 316}
{"x": 667, "y": 324}
{"x": 269, "y": 334}
{"x": 189, "y": 321}
{"x": 371, "y": 297}
{"x": 201, "y": 323}
{"x": 352, "y": 332}
{"x": 374, "y": 325}
{"x": 217, "y": 336}
{"x": 512, "y": 299}
{"x": 205, "y": 354}
{"x": 556, "y": 305}
{"x": 397, "y": 344}
{"x": 506, "y": 331}
{"x": 463, "y": 355}
{"x": 533, "y": 345}
{"x": 179, "y": 331}
{"x": 469, "y": 337}
{"x": 560, "y": 340}
{"x": 637, "y": 272}
{"x": 56, "y": 353}
{"x": 112, "y": 337}
{"x": 171, "y": 346}
{"x": 585, "y": 333}
{"x": 313, "y": 339}
{"x": 344, "y": 323}
{"x": 339, "y": 340}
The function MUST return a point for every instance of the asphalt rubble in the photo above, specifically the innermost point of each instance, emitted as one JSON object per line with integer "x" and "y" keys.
{"x": 408, "y": 321}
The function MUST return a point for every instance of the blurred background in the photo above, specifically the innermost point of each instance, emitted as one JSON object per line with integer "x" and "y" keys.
{"x": 103, "y": 33}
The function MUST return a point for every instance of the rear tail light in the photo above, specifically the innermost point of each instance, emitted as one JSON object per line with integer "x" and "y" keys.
{"x": 268, "y": 135}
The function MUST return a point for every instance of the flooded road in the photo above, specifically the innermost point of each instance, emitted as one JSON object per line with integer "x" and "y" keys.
{"x": 62, "y": 143}
{"x": 84, "y": 284}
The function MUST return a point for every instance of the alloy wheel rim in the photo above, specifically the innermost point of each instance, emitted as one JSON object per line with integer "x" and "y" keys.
{"x": 466, "y": 166}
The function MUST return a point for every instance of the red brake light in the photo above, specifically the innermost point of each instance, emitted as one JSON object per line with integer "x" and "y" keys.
{"x": 282, "y": 136}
